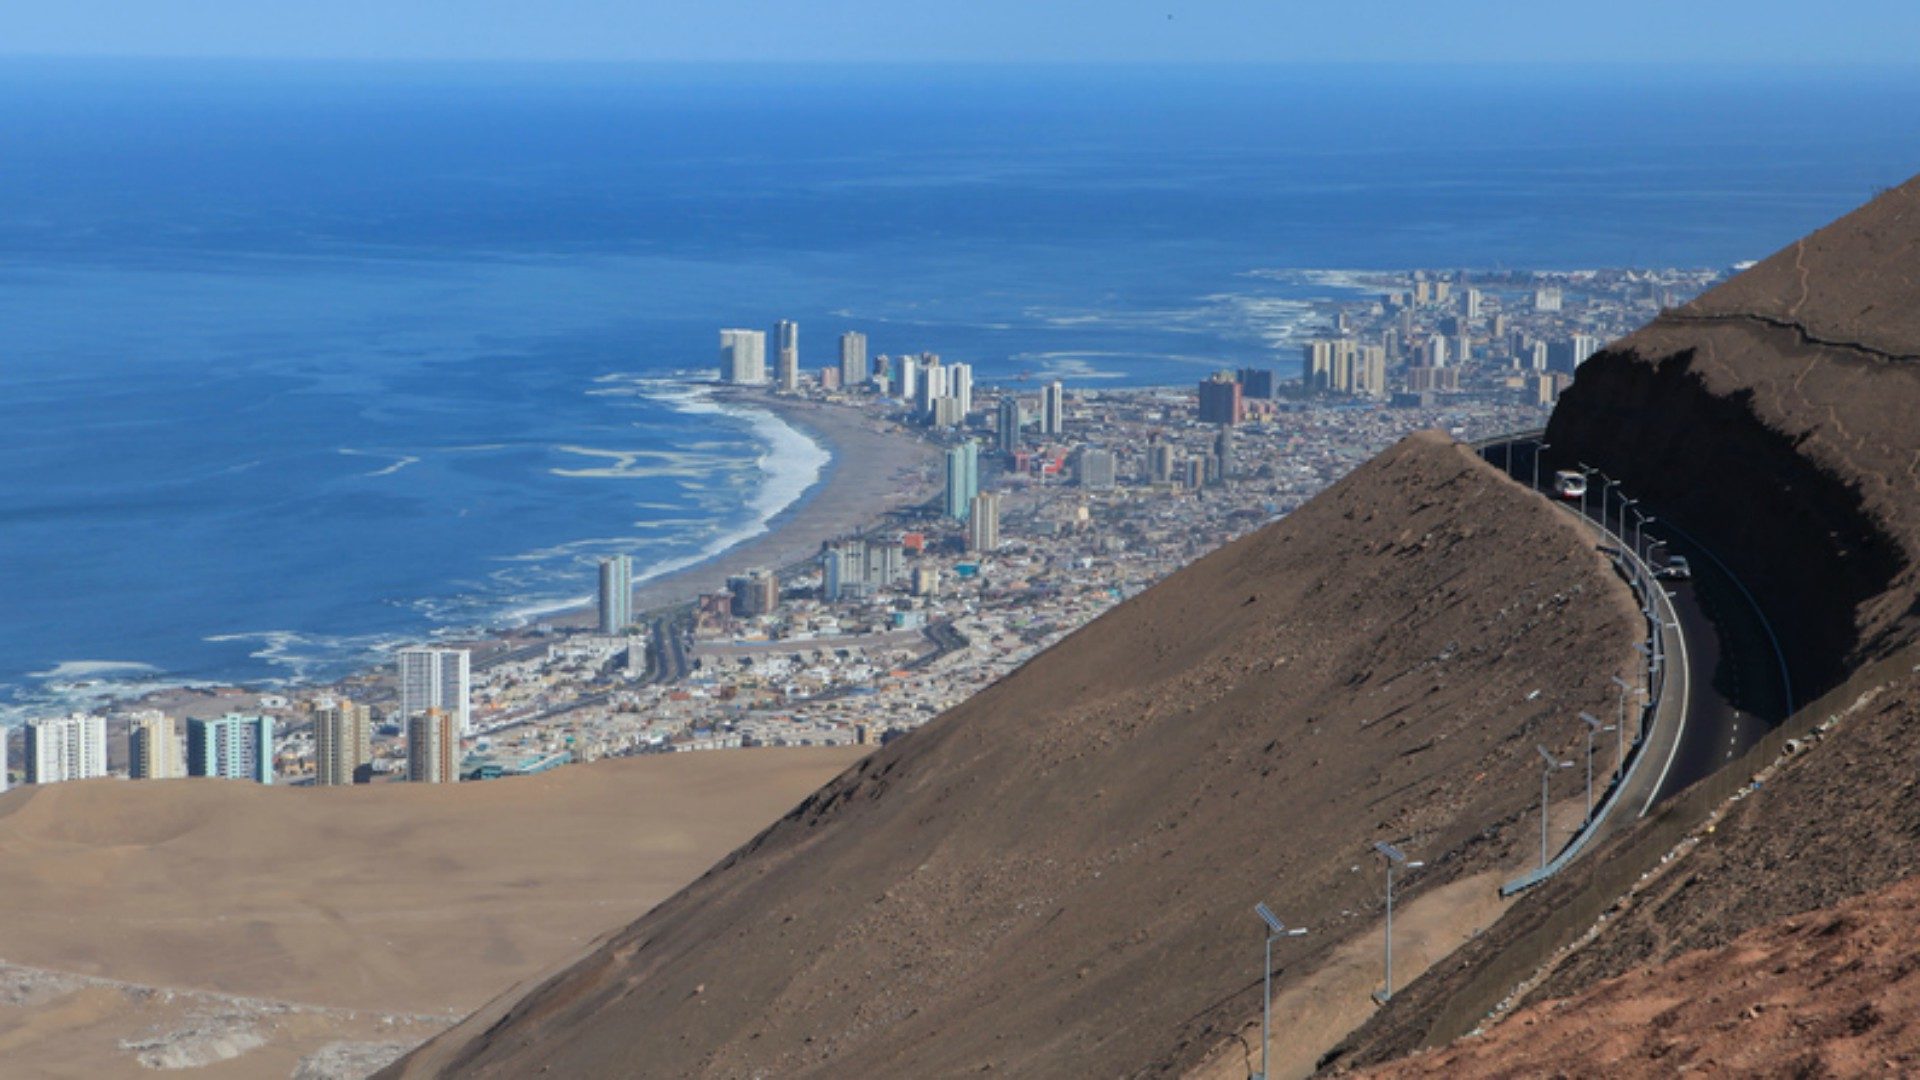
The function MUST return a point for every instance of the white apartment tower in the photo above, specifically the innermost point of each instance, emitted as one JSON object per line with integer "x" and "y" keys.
{"x": 1053, "y": 409}
{"x": 616, "y": 595}
{"x": 743, "y": 357}
{"x": 853, "y": 359}
{"x": 436, "y": 679}
{"x": 69, "y": 748}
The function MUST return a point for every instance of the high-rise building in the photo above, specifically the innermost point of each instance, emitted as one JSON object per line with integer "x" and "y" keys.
{"x": 933, "y": 385}
{"x": 1159, "y": 462}
{"x": 983, "y": 523}
{"x": 433, "y": 748}
{"x": 66, "y": 748}
{"x": 757, "y": 592}
{"x": 433, "y": 678}
{"x": 743, "y": 357}
{"x": 960, "y": 387}
{"x": 1434, "y": 352}
{"x": 853, "y": 569}
{"x": 853, "y": 359}
{"x": 1547, "y": 298}
{"x": 1008, "y": 437}
{"x": 908, "y": 385}
{"x": 1584, "y": 345}
{"x": 1220, "y": 400}
{"x": 1471, "y": 304}
{"x": 1256, "y": 383}
{"x": 233, "y": 747}
{"x": 963, "y": 479}
{"x": 1097, "y": 468}
{"x": 616, "y": 594}
{"x": 786, "y": 354}
{"x": 1053, "y": 409}
{"x": 1223, "y": 453}
{"x": 342, "y": 742}
{"x": 153, "y": 747}
{"x": 1537, "y": 356}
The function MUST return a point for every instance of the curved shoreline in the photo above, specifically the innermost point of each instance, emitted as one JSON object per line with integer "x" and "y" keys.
{"x": 873, "y": 466}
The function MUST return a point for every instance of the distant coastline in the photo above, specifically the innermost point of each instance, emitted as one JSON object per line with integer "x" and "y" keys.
{"x": 872, "y": 467}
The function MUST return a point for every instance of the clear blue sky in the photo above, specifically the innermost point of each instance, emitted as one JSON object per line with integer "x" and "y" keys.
{"x": 1183, "y": 31}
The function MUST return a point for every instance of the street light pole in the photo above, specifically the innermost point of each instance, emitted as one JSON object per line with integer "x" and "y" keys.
{"x": 1606, "y": 493}
{"x": 1538, "y": 449}
{"x": 1626, "y": 503}
{"x": 1620, "y": 759}
{"x": 1552, "y": 763}
{"x": 1392, "y": 855}
{"x": 1586, "y": 473}
{"x": 1594, "y": 727}
{"x": 1275, "y": 930}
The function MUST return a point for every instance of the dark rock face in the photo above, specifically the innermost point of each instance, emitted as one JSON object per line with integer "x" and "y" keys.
{"x": 1778, "y": 418}
{"x": 1790, "y": 525}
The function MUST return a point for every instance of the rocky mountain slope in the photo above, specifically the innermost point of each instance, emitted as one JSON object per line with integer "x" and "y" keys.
{"x": 1831, "y": 993}
{"x": 1056, "y": 877}
{"x": 1776, "y": 419}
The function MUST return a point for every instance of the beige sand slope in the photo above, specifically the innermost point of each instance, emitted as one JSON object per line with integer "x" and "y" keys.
{"x": 398, "y": 898}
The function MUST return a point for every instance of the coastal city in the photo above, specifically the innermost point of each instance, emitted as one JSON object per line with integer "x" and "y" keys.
{"x": 1032, "y": 509}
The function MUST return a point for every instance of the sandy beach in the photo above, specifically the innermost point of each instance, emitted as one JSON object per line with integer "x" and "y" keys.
{"x": 877, "y": 467}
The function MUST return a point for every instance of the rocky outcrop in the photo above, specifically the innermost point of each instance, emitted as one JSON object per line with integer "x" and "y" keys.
{"x": 1778, "y": 419}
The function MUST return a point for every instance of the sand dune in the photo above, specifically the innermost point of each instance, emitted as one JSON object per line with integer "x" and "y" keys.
{"x": 391, "y": 898}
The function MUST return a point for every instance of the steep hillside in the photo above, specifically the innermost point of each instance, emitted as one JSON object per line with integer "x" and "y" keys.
{"x": 1775, "y": 419}
{"x": 1833, "y": 993}
{"x": 1056, "y": 877}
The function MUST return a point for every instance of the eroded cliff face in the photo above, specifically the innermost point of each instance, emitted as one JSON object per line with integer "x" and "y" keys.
{"x": 1777, "y": 418}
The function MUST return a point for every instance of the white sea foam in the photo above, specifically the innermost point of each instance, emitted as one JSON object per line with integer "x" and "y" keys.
{"x": 87, "y": 686}
{"x": 77, "y": 670}
{"x": 399, "y": 461}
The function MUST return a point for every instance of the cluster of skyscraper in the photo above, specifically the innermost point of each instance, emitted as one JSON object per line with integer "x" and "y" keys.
{"x": 74, "y": 747}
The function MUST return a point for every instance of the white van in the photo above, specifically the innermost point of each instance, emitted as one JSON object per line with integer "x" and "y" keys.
{"x": 1570, "y": 484}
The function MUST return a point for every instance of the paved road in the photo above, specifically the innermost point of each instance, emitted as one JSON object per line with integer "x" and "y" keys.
{"x": 1739, "y": 686}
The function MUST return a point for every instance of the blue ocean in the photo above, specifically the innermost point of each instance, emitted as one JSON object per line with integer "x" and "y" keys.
{"x": 300, "y": 361}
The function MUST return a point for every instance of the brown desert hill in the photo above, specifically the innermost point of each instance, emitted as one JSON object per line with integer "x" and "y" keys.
{"x": 1832, "y": 993}
{"x": 1056, "y": 877}
{"x": 1776, "y": 419}
{"x": 411, "y": 899}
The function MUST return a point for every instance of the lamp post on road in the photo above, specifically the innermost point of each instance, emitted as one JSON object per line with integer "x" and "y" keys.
{"x": 1605, "y": 494}
{"x": 1538, "y": 449}
{"x": 1275, "y": 931}
{"x": 1586, "y": 473}
{"x": 1625, "y": 505}
{"x": 1546, "y": 774}
{"x": 1392, "y": 855}
{"x": 1594, "y": 727}
{"x": 1620, "y": 761}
